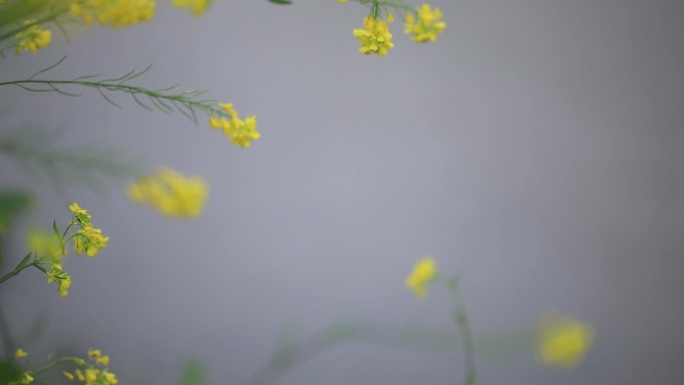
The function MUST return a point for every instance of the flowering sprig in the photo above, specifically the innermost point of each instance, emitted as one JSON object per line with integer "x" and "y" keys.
{"x": 91, "y": 371}
{"x": 188, "y": 103}
{"x": 48, "y": 249}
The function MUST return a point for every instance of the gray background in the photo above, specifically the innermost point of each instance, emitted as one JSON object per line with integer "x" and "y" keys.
{"x": 537, "y": 146}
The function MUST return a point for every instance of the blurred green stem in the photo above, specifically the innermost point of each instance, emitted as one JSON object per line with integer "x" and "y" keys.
{"x": 463, "y": 325}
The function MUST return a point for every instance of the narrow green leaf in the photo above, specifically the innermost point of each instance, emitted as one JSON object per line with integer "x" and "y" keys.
{"x": 56, "y": 230}
{"x": 281, "y": 2}
{"x": 24, "y": 261}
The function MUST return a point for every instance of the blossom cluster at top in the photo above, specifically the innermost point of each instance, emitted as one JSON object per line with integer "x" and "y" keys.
{"x": 423, "y": 23}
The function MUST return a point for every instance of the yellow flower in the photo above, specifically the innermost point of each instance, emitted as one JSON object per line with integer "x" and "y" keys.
{"x": 424, "y": 272}
{"x": 240, "y": 132}
{"x": 562, "y": 341}
{"x": 109, "y": 378}
{"x": 427, "y": 26}
{"x": 27, "y": 379}
{"x": 32, "y": 39}
{"x": 198, "y": 7}
{"x": 80, "y": 214}
{"x": 63, "y": 280}
{"x": 374, "y": 37}
{"x": 20, "y": 353}
{"x": 171, "y": 193}
{"x": 341, "y": 1}
{"x": 113, "y": 13}
{"x": 68, "y": 375}
{"x": 90, "y": 240}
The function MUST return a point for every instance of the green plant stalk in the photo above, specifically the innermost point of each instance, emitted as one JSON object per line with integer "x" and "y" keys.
{"x": 183, "y": 99}
{"x": 35, "y": 263}
{"x": 51, "y": 365}
{"x": 461, "y": 319}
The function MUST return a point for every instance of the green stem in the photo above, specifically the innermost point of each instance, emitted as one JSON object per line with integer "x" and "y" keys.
{"x": 55, "y": 363}
{"x": 461, "y": 319}
{"x": 17, "y": 271}
{"x": 183, "y": 99}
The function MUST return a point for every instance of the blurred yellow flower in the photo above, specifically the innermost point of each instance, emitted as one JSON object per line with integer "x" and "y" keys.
{"x": 113, "y": 13}
{"x": 198, "y": 7}
{"x": 374, "y": 37}
{"x": 46, "y": 245}
{"x": 32, "y": 39}
{"x": 427, "y": 26}
{"x": 240, "y": 132}
{"x": 562, "y": 341}
{"x": 171, "y": 193}
{"x": 20, "y": 353}
{"x": 424, "y": 272}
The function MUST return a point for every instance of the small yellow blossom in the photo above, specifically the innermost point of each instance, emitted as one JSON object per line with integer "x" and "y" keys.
{"x": 113, "y": 13}
{"x": 79, "y": 375}
{"x": 427, "y": 26}
{"x": 240, "y": 132}
{"x": 25, "y": 379}
{"x": 171, "y": 193}
{"x": 90, "y": 240}
{"x": 341, "y": 1}
{"x": 374, "y": 37}
{"x": 80, "y": 214}
{"x": 32, "y": 39}
{"x": 424, "y": 272}
{"x": 198, "y": 7}
{"x": 68, "y": 375}
{"x": 63, "y": 280}
{"x": 20, "y": 353}
{"x": 563, "y": 341}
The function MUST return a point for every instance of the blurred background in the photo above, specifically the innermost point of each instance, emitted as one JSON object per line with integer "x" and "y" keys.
{"x": 536, "y": 147}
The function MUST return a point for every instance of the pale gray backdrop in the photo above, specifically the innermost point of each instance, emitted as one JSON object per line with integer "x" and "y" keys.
{"x": 537, "y": 146}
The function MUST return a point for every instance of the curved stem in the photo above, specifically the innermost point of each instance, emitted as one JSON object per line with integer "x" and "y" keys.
{"x": 463, "y": 325}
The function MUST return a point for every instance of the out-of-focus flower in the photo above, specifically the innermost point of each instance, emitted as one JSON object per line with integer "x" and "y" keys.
{"x": 426, "y": 26}
{"x": 374, "y": 37}
{"x": 198, "y": 7}
{"x": 171, "y": 193}
{"x": 113, "y": 13}
{"x": 563, "y": 341}
{"x": 32, "y": 39}
{"x": 424, "y": 272}
{"x": 20, "y": 353}
{"x": 240, "y": 132}
{"x": 46, "y": 245}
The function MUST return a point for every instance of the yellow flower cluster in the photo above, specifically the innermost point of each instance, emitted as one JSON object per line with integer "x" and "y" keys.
{"x": 96, "y": 374}
{"x": 62, "y": 278}
{"x": 240, "y": 132}
{"x": 563, "y": 341}
{"x": 32, "y": 39}
{"x": 113, "y": 13}
{"x": 88, "y": 238}
{"x": 198, "y": 7}
{"x": 374, "y": 37}
{"x": 424, "y": 272}
{"x": 20, "y": 353}
{"x": 171, "y": 193}
{"x": 427, "y": 26}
